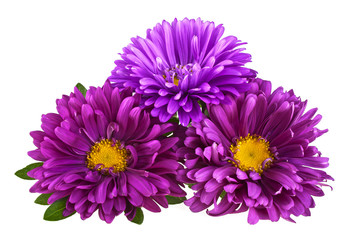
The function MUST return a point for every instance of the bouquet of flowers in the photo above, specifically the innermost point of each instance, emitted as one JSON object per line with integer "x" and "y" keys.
{"x": 179, "y": 109}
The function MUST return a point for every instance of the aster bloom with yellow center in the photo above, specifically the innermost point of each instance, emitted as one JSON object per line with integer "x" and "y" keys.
{"x": 181, "y": 63}
{"x": 104, "y": 153}
{"x": 255, "y": 154}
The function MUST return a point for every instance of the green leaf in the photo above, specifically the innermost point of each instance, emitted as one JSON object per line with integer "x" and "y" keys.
{"x": 175, "y": 200}
{"x": 81, "y": 88}
{"x": 43, "y": 199}
{"x": 54, "y": 211}
{"x": 23, "y": 173}
{"x": 139, "y": 218}
{"x": 174, "y": 119}
{"x": 190, "y": 184}
{"x": 202, "y": 105}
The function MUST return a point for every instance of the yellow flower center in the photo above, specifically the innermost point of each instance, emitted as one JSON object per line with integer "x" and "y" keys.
{"x": 176, "y": 81}
{"x": 252, "y": 153}
{"x": 108, "y": 155}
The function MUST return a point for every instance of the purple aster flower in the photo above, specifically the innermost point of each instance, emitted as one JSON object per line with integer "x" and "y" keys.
{"x": 103, "y": 152}
{"x": 180, "y": 63}
{"x": 255, "y": 154}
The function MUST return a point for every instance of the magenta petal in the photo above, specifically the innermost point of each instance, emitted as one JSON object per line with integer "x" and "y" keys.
{"x": 273, "y": 213}
{"x": 241, "y": 174}
{"x": 229, "y": 188}
{"x": 150, "y": 205}
{"x": 208, "y": 197}
{"x": 101, "y": 190}
{"x": 161, "y": 200}
{"x": 168, "y": 143}
{"x": 253, "y": 190}
{"x": 72, "y": 139}
{"x": 204, "y": 174}
{"x": 284, "y": 201}
{"x": 107, "y": 206}
{"x": 212, "y": 185}
{"x": 135, "y": 198}
{"x": 120, "y": 203}
{"x": 76, "y": 195}
{"x": 196, "y": 205}
{"x": 37, "y": 155}
{"x": 122, "y": 184}
{"x": 148, "y": 148}
{"x": 294, "y": 150}
{"x": 88, "y": 117}
{"x": 254, "y": 175}
{"x": 221, "y": 173}
{"x": 253, "y": 217}
{"x": 123, "y": 114}
{"x": 140, "y": 184}
{"x": 222, "y": 208}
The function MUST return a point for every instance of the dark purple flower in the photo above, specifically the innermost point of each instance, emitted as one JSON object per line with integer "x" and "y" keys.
{"x": 180, "y": 63}
{"x": 255, "y": 154}
{"x": 103, "y": 152}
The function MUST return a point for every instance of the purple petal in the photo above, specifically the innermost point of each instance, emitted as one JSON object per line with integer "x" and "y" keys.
{"x": 253, "y": 217}
{"x": 241, "y": 175}
{"x": 120, "y": 203}
{"x": 89, "y": 122}
{"x": 172, "y": 106}
{"x": 212, "y": 185}
{"x": 161, "y": 101}
{"x": 135, "y": 198}
{"x": 294, "y": 150}
{"x": 196, "y": 205}
{"x": 222, "y": 172}
{"x": 101, "y": 190}
{"x": 204, "y": 174}
{"x": 140, "y": 184}
{"x": 148, "y": 148}
{"x": 222, "y": 208}
{"x": 253, "y": 190}
{"x": 231, "y": 187}
{"x": 150, "y": 205}
{"x": 37, "y": 155}
{"x": 72, "y": 139}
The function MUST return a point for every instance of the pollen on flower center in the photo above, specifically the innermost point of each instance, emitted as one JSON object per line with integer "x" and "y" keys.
{"x": 252, "y": 153}
{"x": 107, "y": 155}
{"x": 177, "y": 73}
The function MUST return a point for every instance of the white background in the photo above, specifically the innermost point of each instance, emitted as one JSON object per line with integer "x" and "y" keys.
{"x": 48, "y": 46}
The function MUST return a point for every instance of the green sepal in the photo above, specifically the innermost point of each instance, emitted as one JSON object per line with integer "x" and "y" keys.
{"x": 173, "y": 119}
{"x": 206, "y": 113}
{"x": 223, "y": 194}
{"x": 54, "y": 211}
{"x": 139, "y": 218}
{"x": 175, "y": 200}
{"x": 23, "y": 173}
{"x": 204, "y": 108}
{"x": 190, "y": 184}
{"x": 43, "y": 199}
{"x": 202, "y": 105}
{"x": 81, "y": 88}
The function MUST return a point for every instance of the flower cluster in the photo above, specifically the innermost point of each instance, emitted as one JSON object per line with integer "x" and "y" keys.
{"x": 255, "y": 154}
{"x": 180, "y": 108}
